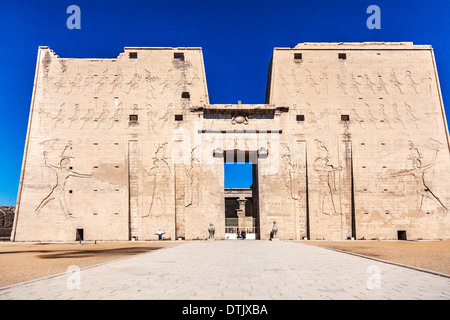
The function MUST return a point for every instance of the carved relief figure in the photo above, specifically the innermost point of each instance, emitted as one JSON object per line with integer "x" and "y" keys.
{"x": 63, "y": 171}
{"x": 311, "y": 82}
{"x": 396, "y": 82}
{"x": 354, "y": 84}
{"x": 116, "y": 116}
{"x": 88, "y": 117}
{"x": 59, "y": 117}
{"x": 192, "y": 185}
{"x": 103, "y": 80}
{"x": 118, "y": 79}
{"x": 397, "y": 117}
{"x": 75, "y": 117}
{"x": 75, "y": 83}
{"x": 159, "y": 175}
{"x": 149, "y": 80}
{"x": 341, "y": 83}
{"x": 327, "y": 179}
{"x": 418, "y": 171}
{"x": 410, "y": 115}
{"x": 103, "y": 116}
{"x": 410, "y": 81}
{"x": 368, "y": 84}
{"x": 381, "y": 85}
{"x": 369, "y": 116}
{"x": 134, "y": 82}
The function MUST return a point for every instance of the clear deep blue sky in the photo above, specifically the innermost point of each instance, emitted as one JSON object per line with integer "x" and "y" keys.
{"x": 237, "y": 38}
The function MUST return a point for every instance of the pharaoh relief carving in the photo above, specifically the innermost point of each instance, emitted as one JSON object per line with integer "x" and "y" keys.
{"x": 158, "y": 175}
{"x": 134, "y": 82}
{"x": 75, "y": 84}
{"x": 59, "y": 116}
{"x": 411, "y": 116}
{"x": 103, "y": 117}
{"x": 117, "y": 116}
{"x": 427, "y": 199}
{"x": 395, "y": 82}
{"x": 167, "y": 82}
{"x": 103, "y": 81}
{"x": 75, "y": 118}
{"x": 63, "y": 171}
{"x": 150, "y": 80}
{"x": 327, "y": 179}
{"x": 290, "y": 171}
{"x": 158, "y": 117}
{"x": 192, "y": 185}
{"x": 117, "y": 82}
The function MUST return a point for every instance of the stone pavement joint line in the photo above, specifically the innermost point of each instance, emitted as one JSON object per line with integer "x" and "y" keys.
{"x": 238, "y": 270}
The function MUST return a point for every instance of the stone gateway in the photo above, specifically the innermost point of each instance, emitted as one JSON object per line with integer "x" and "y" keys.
{"x": 351, "y": 143}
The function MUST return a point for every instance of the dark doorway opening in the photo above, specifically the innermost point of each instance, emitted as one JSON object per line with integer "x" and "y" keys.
{"x": 401, "y": 234}
{"x": 79, "y": 235}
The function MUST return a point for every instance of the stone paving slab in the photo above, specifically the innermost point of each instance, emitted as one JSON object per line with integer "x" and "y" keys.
{"x": 238, "y": 270}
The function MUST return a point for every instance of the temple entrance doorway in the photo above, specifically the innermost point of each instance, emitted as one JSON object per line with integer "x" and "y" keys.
{"x": 241, "y": 195}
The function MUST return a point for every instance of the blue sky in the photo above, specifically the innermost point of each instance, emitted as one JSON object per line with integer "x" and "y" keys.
{"x": 237, "y": 38}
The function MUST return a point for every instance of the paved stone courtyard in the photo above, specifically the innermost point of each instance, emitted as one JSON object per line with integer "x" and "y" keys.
{"x": 238, "y": 270}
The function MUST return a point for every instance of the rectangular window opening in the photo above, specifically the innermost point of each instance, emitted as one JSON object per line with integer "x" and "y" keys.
{"x": 297, "y": 56}
{"x": 178, "y": 56}
{"x": 133, "y": 117}
{"x": 133, "y": 55}
{"x": 342, "y": 56}
{"x": 300, "y": 117}
{"x": 178, "y": 117}
{"x": 185, "y": 95}
{"x": 345, "y": 117}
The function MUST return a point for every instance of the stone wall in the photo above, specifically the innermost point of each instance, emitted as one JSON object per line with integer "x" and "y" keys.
{"x": 352, "y": 142}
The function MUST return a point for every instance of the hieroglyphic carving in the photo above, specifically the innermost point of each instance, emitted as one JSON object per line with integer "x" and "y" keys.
{"x": 75, "y": 83}
{"x": 397, "y": 117}
{"x": 309, "y": 79}
{"x": 327, "y": 179}
{"x": 89, "y": 117}
{"x": 369, "y": 116}
{"x": 418, "y": 171}
{"x": 410, "y": 115}
{"x": 168, "y": 81}
{"x": 356, "y": 117}
{"x": 103, "y": 80}
{"x": 63, "y": 171}
{"x": 75, "y": 117}
{"x": 354, "y": 84}
{"x": 381, "y": 85}
{"x": 103, "y": 117}
{"x": 394, "y": 80}
{"x": 368, "y": 84}
{"x": 150, "y": 89}
{"x": 341, "y": 83}
{"x": 118, "y": 80}
{"x": 59, "y": 116}
{"x": 411, "y": 82}
{"x": 134, "y": 82}
{"x": 116, "y": 116}
{"x": 384, "y": 118}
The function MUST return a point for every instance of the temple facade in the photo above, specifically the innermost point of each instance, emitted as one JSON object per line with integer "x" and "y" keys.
{"x": 351, "y": 143}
